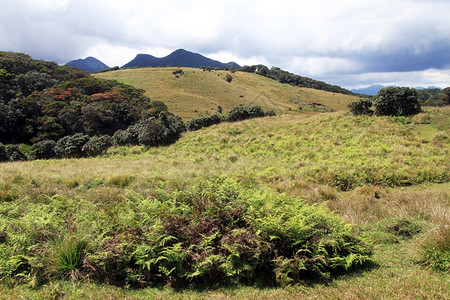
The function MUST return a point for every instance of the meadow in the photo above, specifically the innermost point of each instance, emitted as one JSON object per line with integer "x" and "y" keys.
{"x": 194, "y": 92}
{"x": 386, "y": 176}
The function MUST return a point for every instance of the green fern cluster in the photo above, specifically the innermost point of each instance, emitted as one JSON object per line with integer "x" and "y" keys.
{"x": 215, "y": 232}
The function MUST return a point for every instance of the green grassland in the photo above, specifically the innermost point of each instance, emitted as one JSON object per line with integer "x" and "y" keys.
{"x": 389, "y": 177}
{"x": 198, "y": 93}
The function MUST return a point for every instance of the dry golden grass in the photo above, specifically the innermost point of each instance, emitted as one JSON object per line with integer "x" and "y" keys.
{"x": 198, "y": 92}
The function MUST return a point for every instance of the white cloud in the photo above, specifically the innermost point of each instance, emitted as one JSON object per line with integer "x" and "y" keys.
{"x": 323, "y": 38}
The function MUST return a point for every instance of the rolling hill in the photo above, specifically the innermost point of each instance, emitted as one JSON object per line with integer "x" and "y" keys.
{"x": 178, "y": 58}
{"x": 195, "y": 92}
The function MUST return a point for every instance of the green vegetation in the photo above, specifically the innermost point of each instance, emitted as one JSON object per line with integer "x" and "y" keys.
{"x": 241, "y": 204}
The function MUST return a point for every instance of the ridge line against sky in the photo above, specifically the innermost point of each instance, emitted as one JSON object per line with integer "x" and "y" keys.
{"x": 349, "y": 43}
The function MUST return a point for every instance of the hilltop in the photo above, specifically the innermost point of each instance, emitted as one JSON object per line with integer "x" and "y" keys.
{"x": 180, "y": 58}
{"x": 89, "y": 64}
{"x": 195, "y": 92}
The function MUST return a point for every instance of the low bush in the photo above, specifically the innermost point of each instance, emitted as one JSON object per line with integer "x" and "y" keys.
{"x": 71, "y": 146}
{"x": 3, "y": 154}
{"x": 14, "y": 153}
{"x": 43, "y": 150}
{"x": 237, "y": 113}
{"x": 97, "y": 145}
{"x": 361, "y": 107}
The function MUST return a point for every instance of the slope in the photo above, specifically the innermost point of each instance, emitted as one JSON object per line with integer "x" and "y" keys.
{"x": 195, "y": 92}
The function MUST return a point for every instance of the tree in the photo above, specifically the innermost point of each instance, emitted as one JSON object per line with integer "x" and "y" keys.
{"x": 397, "y": 101}
{"x": 361, "y": 107}
{"x": 228, "y": 78}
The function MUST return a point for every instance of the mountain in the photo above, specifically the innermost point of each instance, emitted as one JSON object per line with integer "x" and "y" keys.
{"x": 178, "y": 58}
{"x": 373, "y": 89}
{"x": 89, "y": 64}
{"x": 370, "y": 90}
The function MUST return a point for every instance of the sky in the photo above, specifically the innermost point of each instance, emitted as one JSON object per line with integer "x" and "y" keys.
{"x": 350, "y": 43}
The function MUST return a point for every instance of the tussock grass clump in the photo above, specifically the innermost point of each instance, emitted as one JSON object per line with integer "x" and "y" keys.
{"x": 436, "y": 249}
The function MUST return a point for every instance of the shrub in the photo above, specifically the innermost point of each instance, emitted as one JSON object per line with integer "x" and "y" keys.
{"x": 228, "y": 78}
{"x": 126, "y": 137}
{"x": 162, "y": 131}
{"x": 361, "y": 107}
{"x": 200, "y": 122}
{"x": 97, "y": 145}
{"x": 71, "y": 145}
{"x": 397, "y": 101}
{"x": 3, "y": 155}
{"x": 14, "y": 153}
{"x": 43, "y": 150}
{"x": 237, "y": 113}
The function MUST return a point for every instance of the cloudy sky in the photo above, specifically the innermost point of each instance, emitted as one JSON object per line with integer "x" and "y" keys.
{"x": 351, "y": 43}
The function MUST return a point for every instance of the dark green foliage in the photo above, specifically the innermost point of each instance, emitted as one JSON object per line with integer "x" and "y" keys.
{"x": 41, "y": 100}
{"x": 71, "y": 146}
{"x": 3, "y": 155}
{"x": 162, "y": 131}
{"x": 228, "y": 78}
{"x": 200, "y": 122}
{"x": 97, "y": 145}
{"x": 15, "y": 154}
{"x": 237, "y": 113}
{"x": 34, "y": 81}
{"x": 126, "y": 137}
{"x": 178, "y": 72}
{"x": 43, "y": 150}
{"x": 361, "y": 107}
{"x": 292, "y": 79}
{"x": 396, "y": 101}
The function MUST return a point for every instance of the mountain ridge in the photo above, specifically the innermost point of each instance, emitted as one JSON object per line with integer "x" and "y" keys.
{"x": 178, "y": 58}
{"x": 89, "y": 64}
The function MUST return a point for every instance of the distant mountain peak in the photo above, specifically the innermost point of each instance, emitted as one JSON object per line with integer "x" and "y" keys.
{"x": 178, "y": 58}
{"x": 89, "y": 64}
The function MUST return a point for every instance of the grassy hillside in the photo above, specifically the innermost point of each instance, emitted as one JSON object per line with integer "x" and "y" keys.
{"x": 387, "y": 176}
{"x": 197, "y": 92}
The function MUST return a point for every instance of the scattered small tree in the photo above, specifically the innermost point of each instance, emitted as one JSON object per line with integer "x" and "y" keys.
{"x": 397, "y": 101}
{"x": 228, "y": 78}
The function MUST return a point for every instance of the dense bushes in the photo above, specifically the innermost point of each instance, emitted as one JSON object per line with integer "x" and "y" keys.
{"x": 216, "y": 232}
{"x": 237, "y": 113}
